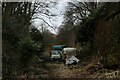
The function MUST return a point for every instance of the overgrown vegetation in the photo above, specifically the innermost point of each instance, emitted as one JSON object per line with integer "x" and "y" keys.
{"x": 23, "y": 43}
{"x": 95, "y": 33}
{"x": 93, "y": 28}
{"x": 20, "y": 41}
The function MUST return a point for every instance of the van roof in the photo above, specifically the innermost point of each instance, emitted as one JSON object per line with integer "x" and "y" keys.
{"x": 59, "y": 47}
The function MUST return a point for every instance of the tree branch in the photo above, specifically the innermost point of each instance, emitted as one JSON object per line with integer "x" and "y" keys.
{"x": 44, "y": 21}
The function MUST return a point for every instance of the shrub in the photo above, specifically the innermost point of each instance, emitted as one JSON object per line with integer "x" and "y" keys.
{"x": 28, "y": 48}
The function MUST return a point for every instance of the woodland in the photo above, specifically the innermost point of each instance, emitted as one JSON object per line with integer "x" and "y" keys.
{"x": 92, "y": 27}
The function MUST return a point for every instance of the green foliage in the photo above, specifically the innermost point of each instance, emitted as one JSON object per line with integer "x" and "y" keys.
{"x": 15, "y": 22}
{"x": 28, "y": 48}
{"x": 35, "y": 34}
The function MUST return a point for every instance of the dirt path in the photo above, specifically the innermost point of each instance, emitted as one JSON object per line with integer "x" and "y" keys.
{"x": 55, "y": 69}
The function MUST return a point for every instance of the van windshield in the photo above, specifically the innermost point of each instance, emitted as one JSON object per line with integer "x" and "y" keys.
{"x": 55, "y": 52}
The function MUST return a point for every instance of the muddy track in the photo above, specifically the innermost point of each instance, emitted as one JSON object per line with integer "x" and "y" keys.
{"x": 57, "y": 69}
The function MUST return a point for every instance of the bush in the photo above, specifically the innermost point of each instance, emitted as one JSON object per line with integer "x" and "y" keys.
{"x": 28, "y": 48}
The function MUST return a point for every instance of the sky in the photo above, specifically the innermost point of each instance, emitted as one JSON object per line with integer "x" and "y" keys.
{"x": 56, "y": 21}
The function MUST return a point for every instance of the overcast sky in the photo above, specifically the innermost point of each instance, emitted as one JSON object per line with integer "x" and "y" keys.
{"x": 56, "y": 21}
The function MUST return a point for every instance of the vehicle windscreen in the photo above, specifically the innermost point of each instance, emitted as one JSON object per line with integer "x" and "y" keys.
{"x": 55, "y": 52}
